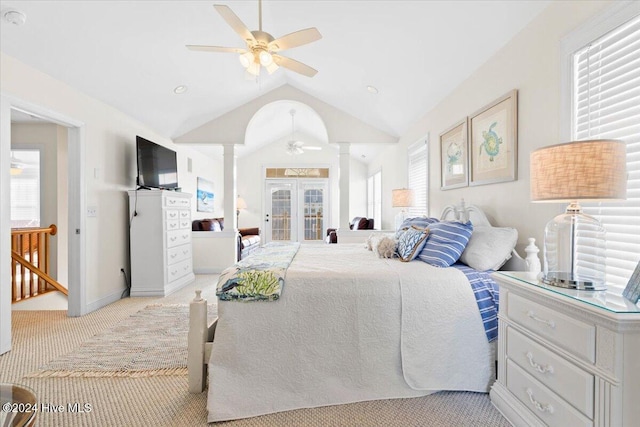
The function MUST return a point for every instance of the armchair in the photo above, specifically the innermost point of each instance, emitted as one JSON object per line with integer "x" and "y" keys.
{"x": 361, "y": 223}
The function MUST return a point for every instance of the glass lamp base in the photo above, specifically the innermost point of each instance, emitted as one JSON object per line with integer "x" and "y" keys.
{"x": 569, "y": 281}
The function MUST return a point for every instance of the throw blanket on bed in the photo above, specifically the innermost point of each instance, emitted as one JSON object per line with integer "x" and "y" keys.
{"x": 260, "y": 276}
{"x": 485, "y": 289}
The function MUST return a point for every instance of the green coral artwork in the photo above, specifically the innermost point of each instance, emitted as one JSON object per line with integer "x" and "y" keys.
{"x": 491, "y": 142}
{"x": 258, "y": 283}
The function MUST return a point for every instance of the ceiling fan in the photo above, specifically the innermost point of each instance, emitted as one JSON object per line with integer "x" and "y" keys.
{"x": 262, "y": 49}
{"x": 294, "y": 146}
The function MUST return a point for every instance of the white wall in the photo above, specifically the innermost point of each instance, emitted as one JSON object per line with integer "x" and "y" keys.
{"x": 110, "y": 170}
{"x": 530, "y": 62}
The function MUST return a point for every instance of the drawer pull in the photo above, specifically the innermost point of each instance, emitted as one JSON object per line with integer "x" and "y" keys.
{"x": 174, "y": 255}
{"x": 173, "y": 239}
{"x": 538, "y": 367}
{"x": 549, "y": 323}
{"x": 540, "y": 407}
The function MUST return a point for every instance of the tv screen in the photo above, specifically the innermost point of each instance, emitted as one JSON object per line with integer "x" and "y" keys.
{"x": 157, "y": 165}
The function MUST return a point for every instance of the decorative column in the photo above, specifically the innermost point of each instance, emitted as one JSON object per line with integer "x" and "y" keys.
{"x": 344, "y": 183}
{"x": 230, "y": 218}
{"x": 229, "y": 205}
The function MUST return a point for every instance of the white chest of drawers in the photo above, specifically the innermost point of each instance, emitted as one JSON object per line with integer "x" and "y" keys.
{"x": 160, "y": 234}
{"x": 566, "y": 358}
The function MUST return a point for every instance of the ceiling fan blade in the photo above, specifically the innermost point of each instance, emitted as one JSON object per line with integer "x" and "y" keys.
{"x": 295, "y": 66}
{"x": 201, "y": 48}
{"x": 312, "y": 147}
{"x": 295, "y": 39}
{"x": 235, "y": 22}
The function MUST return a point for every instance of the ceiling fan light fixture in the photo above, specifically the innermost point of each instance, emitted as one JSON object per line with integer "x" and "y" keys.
{"x": 246, "y": 59}
{"x": 266, "y": 58}
{"x": 271, "y": 68}
{"x": 254, "y": 69}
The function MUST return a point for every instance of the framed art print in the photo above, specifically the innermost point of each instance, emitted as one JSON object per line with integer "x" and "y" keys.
{"x": 205, "y": 195}
{"x": 493, "y": 141}
{"x": 632, "y": 291}
{"x": 453, "y": 157}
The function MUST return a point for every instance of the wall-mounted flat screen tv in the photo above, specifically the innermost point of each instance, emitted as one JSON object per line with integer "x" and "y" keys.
{"x": 157, "y": 165}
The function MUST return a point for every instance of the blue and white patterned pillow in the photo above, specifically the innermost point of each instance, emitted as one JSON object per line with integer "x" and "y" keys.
{"x": 446, "y": 242}
{"x": 411, "y": 243}
{"x": 420, "y": 222}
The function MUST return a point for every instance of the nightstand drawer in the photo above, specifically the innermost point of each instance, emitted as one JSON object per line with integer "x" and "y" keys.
{"x": 573, "y": 335}
{"x": 544, "y": 403}
{"x": 552, "y": 370}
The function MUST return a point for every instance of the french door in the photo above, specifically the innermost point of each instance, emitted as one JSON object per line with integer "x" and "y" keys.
{"x": 295, "y": 209}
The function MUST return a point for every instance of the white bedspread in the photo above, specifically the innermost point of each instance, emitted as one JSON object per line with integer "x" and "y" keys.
{"x": 390, "y": 330}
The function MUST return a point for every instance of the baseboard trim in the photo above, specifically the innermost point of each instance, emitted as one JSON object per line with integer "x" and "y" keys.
{"x": 104, "y": 301}
{"x": 208, "y": 270}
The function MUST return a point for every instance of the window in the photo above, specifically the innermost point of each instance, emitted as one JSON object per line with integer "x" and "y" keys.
{"x": 25, "y": 188}
{"x": 418, "y": 179}
{"x": 604, "y": 61}
{"x": 374, "y": 198}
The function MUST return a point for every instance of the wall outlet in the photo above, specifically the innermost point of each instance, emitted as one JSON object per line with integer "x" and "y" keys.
{"x": 92, "y": 211}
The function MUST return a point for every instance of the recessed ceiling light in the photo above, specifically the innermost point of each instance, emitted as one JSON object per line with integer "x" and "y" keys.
{"x": 372, "y": 89}
{"x": 180, "y": 89}
{"x": 14, "y": 17}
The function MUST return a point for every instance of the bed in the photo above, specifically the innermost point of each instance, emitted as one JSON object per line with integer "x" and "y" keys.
{"x": 393, "y": 330}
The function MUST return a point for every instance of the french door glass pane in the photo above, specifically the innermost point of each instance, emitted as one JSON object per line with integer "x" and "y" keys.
{"x": 281, "y": 215}
{"x": 313, "y": 215}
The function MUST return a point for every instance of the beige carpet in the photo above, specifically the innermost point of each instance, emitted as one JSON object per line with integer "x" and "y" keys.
{"x": 40, "y": 337}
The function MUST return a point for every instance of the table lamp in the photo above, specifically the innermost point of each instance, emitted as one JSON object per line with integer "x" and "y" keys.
{"x": 240, "y": 204}
{"x": 401, "y": 198}
{"x": 592, "y": 170}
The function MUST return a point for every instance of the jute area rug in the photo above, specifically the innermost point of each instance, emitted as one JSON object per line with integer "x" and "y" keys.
{"x": 151, "y": 342}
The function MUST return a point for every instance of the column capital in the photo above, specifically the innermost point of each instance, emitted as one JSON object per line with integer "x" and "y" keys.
{"x": 344, "y": 147}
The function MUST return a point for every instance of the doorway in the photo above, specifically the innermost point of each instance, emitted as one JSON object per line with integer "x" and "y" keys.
{"x": 296, "y": 209}
{"x": 76, "y": 206}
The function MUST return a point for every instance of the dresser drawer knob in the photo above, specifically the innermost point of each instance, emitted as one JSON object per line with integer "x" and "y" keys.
{"x": 549, "y": 323}
{"x": 540, "y": 368}
{"x": 539, "y": 406}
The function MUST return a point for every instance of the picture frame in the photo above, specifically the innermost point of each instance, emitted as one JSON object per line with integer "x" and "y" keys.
{"x": 632, "y": 291}
{"x": 454, "y": 163}
{"x": 493, "y": 141}
{"x": 205, "y": 195}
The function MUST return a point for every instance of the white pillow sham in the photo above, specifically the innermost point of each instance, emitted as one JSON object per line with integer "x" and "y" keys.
{"x": 489, "y": 247}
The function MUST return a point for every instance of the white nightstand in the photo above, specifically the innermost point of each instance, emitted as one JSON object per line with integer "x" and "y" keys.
{"x": 566, "y": 358}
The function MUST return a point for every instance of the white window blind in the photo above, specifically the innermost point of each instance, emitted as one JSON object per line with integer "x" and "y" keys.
{"x": 374, "y": 198}
{"x": 418, "y": 179}
{"x": 606, "y": 105}
{"x": 25, "y": 188}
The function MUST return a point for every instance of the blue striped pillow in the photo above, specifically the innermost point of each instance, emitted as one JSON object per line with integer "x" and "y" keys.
{"x": 445, "y": 243}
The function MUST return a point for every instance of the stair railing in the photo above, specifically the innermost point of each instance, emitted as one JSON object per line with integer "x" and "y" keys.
{"x": 30, "y": 263}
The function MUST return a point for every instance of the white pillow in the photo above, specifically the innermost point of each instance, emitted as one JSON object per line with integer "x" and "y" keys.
{"x": 489, "y": 247}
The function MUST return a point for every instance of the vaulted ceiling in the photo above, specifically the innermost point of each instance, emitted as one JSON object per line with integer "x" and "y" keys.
{"x": 131, "y": 54}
